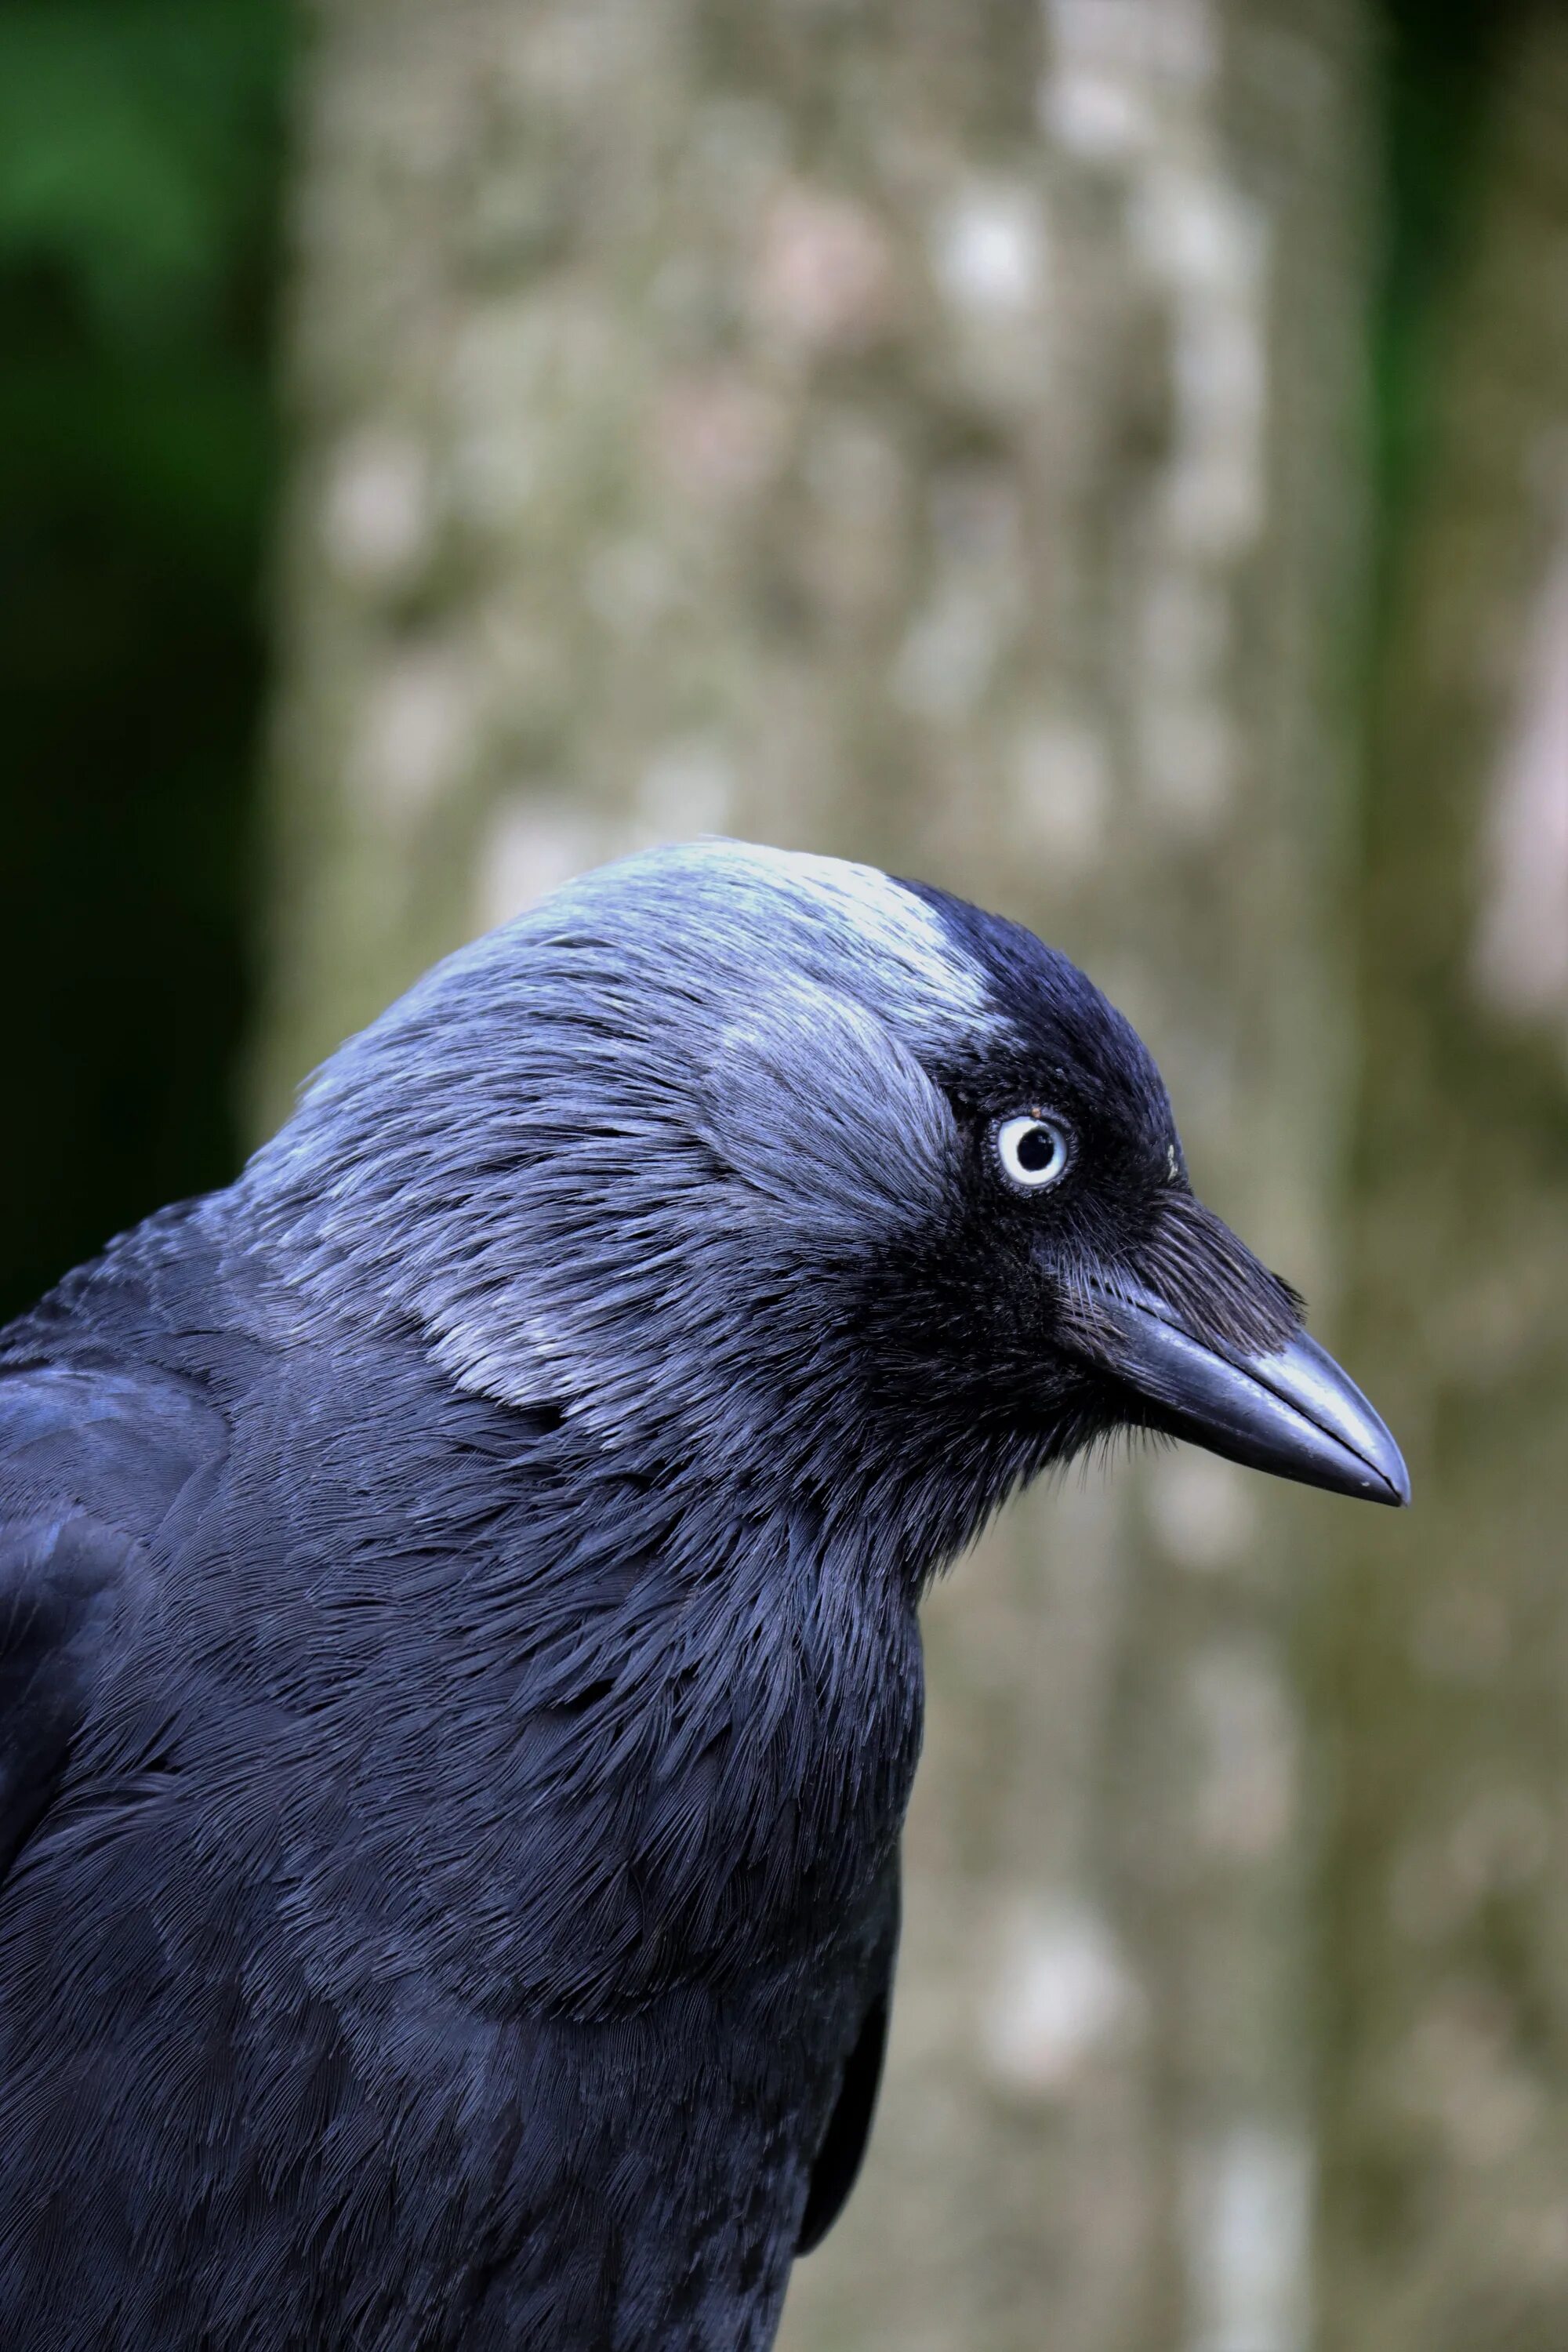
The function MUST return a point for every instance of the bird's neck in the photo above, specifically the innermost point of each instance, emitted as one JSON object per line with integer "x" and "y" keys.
{"x": 678, "y": 1718}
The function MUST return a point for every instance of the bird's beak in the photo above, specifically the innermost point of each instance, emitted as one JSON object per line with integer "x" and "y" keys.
{"x": 1293, "y": 1412}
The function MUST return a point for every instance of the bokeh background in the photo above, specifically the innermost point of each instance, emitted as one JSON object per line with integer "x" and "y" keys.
{"x": 1109, "y": 456}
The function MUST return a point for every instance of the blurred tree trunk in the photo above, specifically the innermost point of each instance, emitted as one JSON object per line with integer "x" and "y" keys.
{"x": 1444, "y": 1662}
{"x": 924, "y": 432}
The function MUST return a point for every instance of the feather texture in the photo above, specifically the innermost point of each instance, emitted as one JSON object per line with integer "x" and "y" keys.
{"x": 459, "y": 1664}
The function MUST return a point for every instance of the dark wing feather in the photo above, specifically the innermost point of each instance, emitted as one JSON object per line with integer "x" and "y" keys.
{"x": 60, "y": 1583}
{"x": 843, "y": 2148}
{"x": 90, "y": 1464}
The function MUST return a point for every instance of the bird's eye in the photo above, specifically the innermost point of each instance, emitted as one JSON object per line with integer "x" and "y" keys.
{"x": 1034, "y": 1151}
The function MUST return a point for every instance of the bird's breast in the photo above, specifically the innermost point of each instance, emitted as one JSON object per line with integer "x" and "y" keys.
{"x": 648, "y": 1783}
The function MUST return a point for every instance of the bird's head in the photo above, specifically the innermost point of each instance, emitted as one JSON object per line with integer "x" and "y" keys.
{"x": 767, "y": 1166}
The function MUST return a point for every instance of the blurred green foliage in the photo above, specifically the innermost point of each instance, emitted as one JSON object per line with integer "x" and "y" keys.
{"x": 141, "y": 159}
{"x": 142, "y": 156}
{"x": 1440, "y": 60}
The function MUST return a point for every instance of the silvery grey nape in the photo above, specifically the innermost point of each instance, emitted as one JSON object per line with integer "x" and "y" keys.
{"x": 459, "y": 1670}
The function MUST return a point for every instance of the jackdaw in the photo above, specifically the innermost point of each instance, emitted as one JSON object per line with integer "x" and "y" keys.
{"x": 459, "y": 1671}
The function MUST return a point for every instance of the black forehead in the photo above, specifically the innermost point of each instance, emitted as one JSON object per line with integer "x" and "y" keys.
{"x": 1058, "y": 1037}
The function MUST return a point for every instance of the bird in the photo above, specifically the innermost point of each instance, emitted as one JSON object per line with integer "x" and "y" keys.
{"x": 460, "y": 1672}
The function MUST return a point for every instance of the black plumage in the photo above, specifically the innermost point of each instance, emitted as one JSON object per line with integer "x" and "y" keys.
{"x": 459, "y": 1668}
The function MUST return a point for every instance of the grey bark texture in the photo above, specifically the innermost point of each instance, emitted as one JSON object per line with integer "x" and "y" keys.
{"x": 1442, "y": 1667}
{"x": 925, "y": 433}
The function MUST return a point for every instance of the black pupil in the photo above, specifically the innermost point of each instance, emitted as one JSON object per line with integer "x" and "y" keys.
{"x": 1036, "y": 1149}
